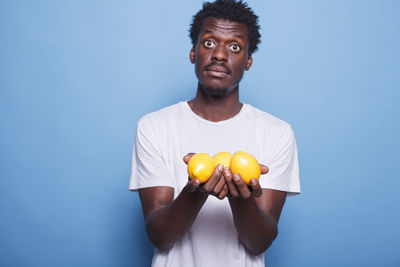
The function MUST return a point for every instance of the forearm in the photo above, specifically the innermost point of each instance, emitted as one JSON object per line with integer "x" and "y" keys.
{"x": 256, "y": 229}
{"x": 170, "y": 223}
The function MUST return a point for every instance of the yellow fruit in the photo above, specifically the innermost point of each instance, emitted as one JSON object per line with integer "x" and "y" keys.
{"x": 223, "y": 158}
{"x": 246, "y": 165}
{"x": 201, "y": 166}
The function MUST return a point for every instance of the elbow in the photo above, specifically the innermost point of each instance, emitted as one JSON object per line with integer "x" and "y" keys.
{"x": 162, "y": 241}
{"x": 160, "y": 244}
{"x": 260, "y": 249}
{"x": 255, "y": 252}
{"x": 162, "y": 247}
{"x": 263, "y": 245}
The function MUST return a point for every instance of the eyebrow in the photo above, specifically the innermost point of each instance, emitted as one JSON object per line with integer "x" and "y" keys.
{"x": 238, "y": 35}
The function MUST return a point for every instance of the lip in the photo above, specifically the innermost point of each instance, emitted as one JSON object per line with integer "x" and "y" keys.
{"x": 217, "y": 74}
{"x": 217, "y": 70}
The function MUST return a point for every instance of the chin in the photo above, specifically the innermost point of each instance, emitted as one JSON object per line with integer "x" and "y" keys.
{"x": 216, "y": 91}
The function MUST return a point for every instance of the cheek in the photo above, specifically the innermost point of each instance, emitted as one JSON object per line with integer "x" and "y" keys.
{"x": 239, "y": 68}
{"x": 201, "y": 60}
{"x": 198, "y": 69}
{"x": 201, "y": 57}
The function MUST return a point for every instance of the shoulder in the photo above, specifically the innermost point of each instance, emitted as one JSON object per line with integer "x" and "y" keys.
{"x": 267, "y": 120}
{"x": 160, "y": 117}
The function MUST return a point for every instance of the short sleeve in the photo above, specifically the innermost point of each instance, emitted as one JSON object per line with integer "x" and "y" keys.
{"x": 283, "y": 166}
{"x": 148, "y": 164}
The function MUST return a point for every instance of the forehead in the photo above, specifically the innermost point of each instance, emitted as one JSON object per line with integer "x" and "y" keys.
{"x": 217, "y": 26}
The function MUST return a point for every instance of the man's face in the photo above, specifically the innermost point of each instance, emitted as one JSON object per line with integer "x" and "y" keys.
{"x": 221, "y": 55}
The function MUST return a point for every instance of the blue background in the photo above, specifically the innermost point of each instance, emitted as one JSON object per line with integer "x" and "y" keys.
{"x": 75, "y": 76}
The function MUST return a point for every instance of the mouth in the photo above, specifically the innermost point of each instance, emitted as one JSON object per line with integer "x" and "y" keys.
{"x": 217, "y": 70}
{"x": 217, "y": 74}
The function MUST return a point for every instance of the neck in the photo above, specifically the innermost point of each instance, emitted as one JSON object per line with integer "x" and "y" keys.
{"x": 216, "y": 108}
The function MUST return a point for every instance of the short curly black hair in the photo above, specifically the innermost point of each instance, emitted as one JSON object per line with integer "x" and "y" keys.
{"x": 232, "y": 10}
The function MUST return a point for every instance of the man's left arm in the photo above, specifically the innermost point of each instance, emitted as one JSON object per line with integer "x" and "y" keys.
{"x": 255, "y": 211}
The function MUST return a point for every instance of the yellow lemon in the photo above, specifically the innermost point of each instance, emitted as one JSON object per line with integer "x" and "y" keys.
{"x": 246, "y": 165}
{"x": 201, "y": 166}
{"x": 223, "y": 158}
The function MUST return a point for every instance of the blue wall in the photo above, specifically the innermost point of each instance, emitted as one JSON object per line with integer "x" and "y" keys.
{"x": 75, "y": 76}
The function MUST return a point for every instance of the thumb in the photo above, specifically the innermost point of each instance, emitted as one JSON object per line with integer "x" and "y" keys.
{"x": 188, "y": 157}
{"x": 264, "y": 169}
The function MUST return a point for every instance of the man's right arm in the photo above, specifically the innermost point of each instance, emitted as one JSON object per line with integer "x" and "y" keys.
{"x": 168, "y": 219}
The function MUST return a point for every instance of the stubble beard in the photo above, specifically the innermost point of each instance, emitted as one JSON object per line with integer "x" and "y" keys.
{"x": 215, "y": 92}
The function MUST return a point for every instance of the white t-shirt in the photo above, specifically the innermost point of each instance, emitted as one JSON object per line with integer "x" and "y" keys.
{"x": 164, "y": 137}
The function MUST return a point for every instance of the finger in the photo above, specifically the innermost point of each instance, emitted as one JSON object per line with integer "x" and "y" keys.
{"x": 230, "y": 184}
{"x": 213, "y": 180}
{"x": 224, "y": 192}
{"x": 243, "y": 188}
{"x": 264, "y": 169}
{"x": 255, "y": 187}
{"x": 192, "y": 185}
{"x": 188, "y": 157}
{"x": 218, "y": 187}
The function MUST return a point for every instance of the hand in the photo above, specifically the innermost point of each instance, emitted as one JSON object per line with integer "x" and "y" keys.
{"x": 215, "y": 185}
{"x": 238, "y": 188}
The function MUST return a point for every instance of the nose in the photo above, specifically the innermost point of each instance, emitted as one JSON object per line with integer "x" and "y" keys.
{"x": 220, "y": 54}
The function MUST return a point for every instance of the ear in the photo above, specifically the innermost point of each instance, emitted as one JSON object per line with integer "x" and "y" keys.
{"x": 192, "y": 55}
{"x": 248, "y": 62}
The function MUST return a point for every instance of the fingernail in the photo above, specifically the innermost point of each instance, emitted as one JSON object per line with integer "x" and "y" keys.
{"x": 253, "y": 182}
{"x": 236, "y": 177}
{"x": 220, "y": 167}
{"x": 227, "y": 172}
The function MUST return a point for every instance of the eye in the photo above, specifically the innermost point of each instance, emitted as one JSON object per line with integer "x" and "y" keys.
{"x": 208, "y": 44}
{"x": 234, "y": 48}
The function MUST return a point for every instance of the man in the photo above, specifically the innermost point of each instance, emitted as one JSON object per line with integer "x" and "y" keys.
{"x": 222, "y": 222}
